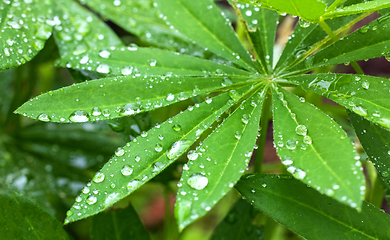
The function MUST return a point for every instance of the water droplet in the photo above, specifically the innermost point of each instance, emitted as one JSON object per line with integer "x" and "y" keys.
{"x": 329, "y": 192}
{"x": 78, "y": 199}
{"x": 158, "y": 147}
{"x": 227, "y": 81}
{"x": 104, "y": 54}
{"x": 137, "y": 158}
{"x": 43, "y": 117}
{"x": 84, "y": 59}
{"x": 99, "y": 177}
{"x": 299, "y": 174}
{"x": 85, "y": 190}
{"x": 126, "y": 170}
{"x": 197, "y": 181}
{"x": 238, "y": 135}
{"x": 384, "y": 122}
{"x": 152, "y": 62}
{"x": 307, "y": 139}
{"x": 248, "y": 13}
{"x": 304, "y": 23}
{"x": 365, "y": 85}
{"x": 69, "y": 213}
{"x": 364, "y": 29}
{"x": 82, "y": 26}
{"x": 96, "y": 112}
{"x": 176, "y": 127}
{"x": 384, "y": 174}
{"x": 133, "y": 184}
{"x": 301, "y": 130}
{"x": 79, "y": 116}
{"x": 170, "y": 97}
{"x": 103, "y": 68}
{"x": 91, "y": 200}
{"x": 192, "y": 155}
{"x": 119, "y": 152}
{"x": 360, "y": 110}
{"x": 38, "y": 44}
{"x": 43, "y": 32}
{"x": 178, "y": 148}
{"x": 245, "y": 118}
{"x": 287, "y": 162}
{"x": 291, "y": 144}
{"x": 127, "y": 70}
{"x": 144, "y": 134}
{"x": 234, "y": 95}
{"x": 80, "y": 49}
{"x": 264, "y": 185}
{"x": 157, "y": 166}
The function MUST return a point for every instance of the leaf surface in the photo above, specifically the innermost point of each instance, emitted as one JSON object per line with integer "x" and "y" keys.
{"x": 364, "y": 95}
{"x": 146, "y": 156}
{"x": 358, "y": 8}
{"x": 201, "y": 21}
{"x": 114, "y": 97}
{"x": 21, "y": 219}
{"x": 293, "y": 204}
{"x": 145, "y": 61}
{"x": 217, "y": 164}
{"x": 25, "y": 26}
{"x": 119, "y": 224}
{"x": 316, "y": 150}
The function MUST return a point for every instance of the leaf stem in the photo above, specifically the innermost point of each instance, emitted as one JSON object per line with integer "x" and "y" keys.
{"x": 265, "y": 117}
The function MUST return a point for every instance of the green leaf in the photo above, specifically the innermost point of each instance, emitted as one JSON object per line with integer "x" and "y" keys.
{"x": 316, "y": 150}
{"x": 370, "y": 41}
{"x": 310, "y": 10}
{"x": 358, "y": 8}
{"x": 201, "y": 21}
{"x": 21, "y": 219}
{"x": 145, "y": 61}
{"x": 25, "y": 27}
{"x": 376, "y": 143}
{"x": 145, "y": 157}
{"x": 238, "y": 224}
{"x": 293, "y": 204}
{"x": 78, "y": 30}
{"x": 218, "y": 163}
{"x": 110, "y": 98}
{"x": 142, "y": 19}
{"x": 119, "y": 224}
{"x": 364, "y": 95}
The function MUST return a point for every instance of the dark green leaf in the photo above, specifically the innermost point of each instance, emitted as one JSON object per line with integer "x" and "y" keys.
{"x": 293, "y": 204}
{"x": 21, "y": 219}
{"x": 119, "y": 224}
{"x": 145, "y": 61}
{"x": 25, "y": 27}
{"x": 364, "y": 95}
{"x": 217, "y": 164}
{"x": 316, "y": 150}
{"x": 110, "y": 98}
{"x": 146, "y": 156}
{"x": 238, "y": 224}
{"x": 201, "y": 21}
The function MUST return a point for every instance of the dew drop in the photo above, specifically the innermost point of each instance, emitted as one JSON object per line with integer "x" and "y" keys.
{"x": 119, "y": 152}
{"x": 245, "y": 118}
{"x": 301, "y": 130}
{"x": 192, "y": 155}
{"x": 176, "y": 127}
{"x": 85, "y": 190}
{"x": 158, "y": 147}
{"x": 43, "y": 117}
{"x": 366, "y": 85}
{"x": 299, "y": 174}
{"x": 157, "y": 166}
{"x": 78, "y": 199}
{"x": 99, "y": 177}
{"x": 291, "y": 144}
{"x": 360, "y": 110}
{"x": 126, "y": 170}
{"x": 238, "y": 135}
{"x": 79, "y": 116}
{"x": 69, "y": 213}
{"x": 127, "y": 70}
{"x": 91, "y": 200}
{"x": 96, "y": 112}
{"x": 170, "y": 97}
{"x": 197, "y": 181}
{"x": 307, "y": 139}
{"x": 104, "y": 54}
{"x": 103, "y": 68}
{"x": 227, "y": 81}
{"x": 133, "y": 184}
{"x": 178, "y": 148}
{"x": 303, "y": 23}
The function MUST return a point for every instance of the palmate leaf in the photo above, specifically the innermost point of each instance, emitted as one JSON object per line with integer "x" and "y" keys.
{"x": 316, "y": 150}
{"x": 21, "y": 219}
{"x": 145, "y": 61}
{"x": 78, "y": 30}
{"x": 376, "y": 143}
{"x": 358, "y": 8}
{"x": 120, "y": 224}
{"x": 201, "y": 21}
{"x": 148, "y": 154}
{"x": 218, "y": 163}
{"x": 364, "y": 95}
{"x": 370, "y": 41}
{"x": 110, "y": 98}
{"x": 25, "y": 27}
{"x": 293, "y": 204}
{"x": 238, "y": 224}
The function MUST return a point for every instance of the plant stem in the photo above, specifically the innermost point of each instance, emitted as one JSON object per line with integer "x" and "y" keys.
{"x": 265, "y": 116}
{"x": 335, "y": 38}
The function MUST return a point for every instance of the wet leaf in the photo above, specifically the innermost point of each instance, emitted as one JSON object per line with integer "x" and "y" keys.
{"x": 119, "y": 224}
{"x": 364, "y": 95}
{"x": 217, "y": 164}
{"x": 78, "y": 30}
{"x": 146, "y": 156}
{"x": 315, "y": 149}
{"x": 25, "y": 27}
{"x": 21, "y": 219}
{"x": 145, "y": 61}
{"x": 201, "y": 21}
{"x": 293, "y": 204}
{"x": 110, "y": 98}
{"x": 358, "y": 8}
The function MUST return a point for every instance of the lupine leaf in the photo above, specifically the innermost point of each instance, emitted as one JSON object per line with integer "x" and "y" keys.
{"x": 364, "y": 95}
{"x": 110, "y": 98}
{"x": 201, "y": 21}
{"x": 119, "y": 224}
{"x": 218, "y": 163}
{"x": 21, "y": 219}
{"x": 25, "y": 27}
{"x": 238, "y": 224}
{"x": 300, "y": 143}
{"x": 293, "y": 204}
{"x": 376, "y": 143}
{"x": 78, "y": 30}
{"x": 370, "y": 41}
{"x": 358, "y": 8}
{"x": 145, "y": 157}
{"x": 145, "y": 61}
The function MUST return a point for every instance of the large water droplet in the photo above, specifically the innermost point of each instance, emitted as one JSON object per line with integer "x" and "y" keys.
{"x": 303, "y": 23}
{"x": 192, "y": 155}
{"x": 360, "y": 110}
{"x": 79, "y": 116}
{"x": 103, "y": 68}
{"x": 99, "y": 177}
{"x": 227, "y": 81}
{"x": 43, "y": 117}
{"x": 119, "y": 152}
{"x": 307, "y": 139}
{"x": 291, "y": 144}
{"x": 237, "y": 135}
{"x": 127, "y": 70}
{"x": 129, "y": 109}
{"x": 104, "y": 54}
{"x": 178, "y": 148}
{"x": 366, "y": 85}
{"x": 43, "y": 32}
{"x": 126, "y": 170}
{"x": 301, "y": 130}
{"x": 197, "y": 181}
{"x": 245, "y": 118}
{"x": 91, "y": 200}
{"x": 158, "y": 147}
{"x": 132, "y": 185}
{"x": 176, "y": 127}
{"x": 157, "y": 166}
